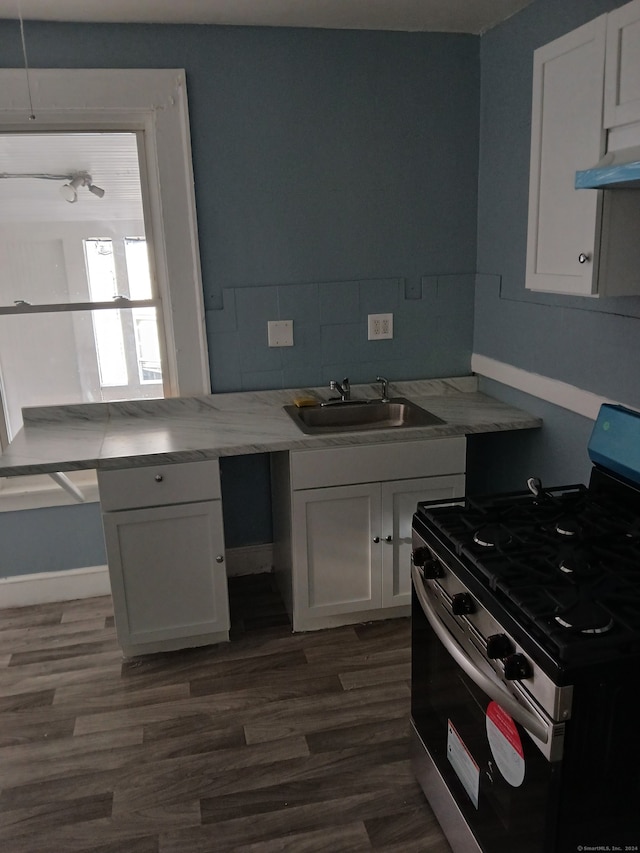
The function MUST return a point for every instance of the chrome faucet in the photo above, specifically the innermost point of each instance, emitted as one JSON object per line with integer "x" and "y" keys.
{"x": 385, "y": 388}
{"x": 344, "y": 390}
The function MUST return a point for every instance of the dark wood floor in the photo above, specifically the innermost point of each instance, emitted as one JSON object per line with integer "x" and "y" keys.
{"x": 272, "y": 742}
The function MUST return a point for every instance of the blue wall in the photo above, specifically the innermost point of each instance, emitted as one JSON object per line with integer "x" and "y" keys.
{"x": 593, "y": 344}
{"x": 557, "y": 453}
{"x": 338, "y": 163}
{"x": 335, "y": 175}
{"x": 341, "y": 169}
{"x": 52, "y": 539}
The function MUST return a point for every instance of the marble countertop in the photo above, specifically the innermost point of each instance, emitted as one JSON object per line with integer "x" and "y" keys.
{"x": 184, "y": 429}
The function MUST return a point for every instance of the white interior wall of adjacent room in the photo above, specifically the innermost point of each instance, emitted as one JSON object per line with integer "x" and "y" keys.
{"x": 38, "y": 259}
{"x": 30, "y": 269}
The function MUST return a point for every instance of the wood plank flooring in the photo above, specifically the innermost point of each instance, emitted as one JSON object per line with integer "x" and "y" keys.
{"x": 271, "y": 742}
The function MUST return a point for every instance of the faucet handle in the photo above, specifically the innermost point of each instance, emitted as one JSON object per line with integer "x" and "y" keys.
{"x": 385, "y": 387}
{"x": 344, "y": 390}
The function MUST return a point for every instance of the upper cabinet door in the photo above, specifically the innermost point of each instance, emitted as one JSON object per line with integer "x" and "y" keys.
{"x": 622, "y": 70}
{"x": 566, "y": 135}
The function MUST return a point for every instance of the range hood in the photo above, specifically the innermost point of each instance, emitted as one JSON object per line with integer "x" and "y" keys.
{"x": 616, "y": 170}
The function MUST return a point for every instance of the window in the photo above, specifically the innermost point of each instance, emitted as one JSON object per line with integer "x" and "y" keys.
{"x": 127, "y": 347}
{"x": 130, "y": 337}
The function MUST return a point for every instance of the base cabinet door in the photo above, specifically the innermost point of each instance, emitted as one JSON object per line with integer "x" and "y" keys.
{"x": 168, "y": 576}
{"x": 399, "y": 501}
{"x": 337, "y": 562}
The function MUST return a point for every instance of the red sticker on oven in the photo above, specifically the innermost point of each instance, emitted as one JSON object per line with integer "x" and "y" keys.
{"x": 505, "y": 744}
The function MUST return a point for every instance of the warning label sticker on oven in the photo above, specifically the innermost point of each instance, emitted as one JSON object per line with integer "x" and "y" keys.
{"x": 460, "y": 758}
{"x": 505, "y": 744}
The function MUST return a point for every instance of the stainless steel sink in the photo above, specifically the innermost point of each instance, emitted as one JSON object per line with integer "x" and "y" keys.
{"x": 361, "y": 415}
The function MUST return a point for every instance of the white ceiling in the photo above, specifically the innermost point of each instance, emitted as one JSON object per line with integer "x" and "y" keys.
{"x": 461, "y": 16}
{"x": 110, "y": 158}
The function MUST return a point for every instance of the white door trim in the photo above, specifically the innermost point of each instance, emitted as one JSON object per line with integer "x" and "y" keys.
{"x": 136, "y": 99}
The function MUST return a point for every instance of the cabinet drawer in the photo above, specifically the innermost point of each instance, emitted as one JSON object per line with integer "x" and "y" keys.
{"x": 157, "y": 485}
{"x": 376, "y": 462}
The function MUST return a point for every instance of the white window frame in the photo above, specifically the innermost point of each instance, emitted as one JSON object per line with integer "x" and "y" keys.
{"x": 154, "y": 101}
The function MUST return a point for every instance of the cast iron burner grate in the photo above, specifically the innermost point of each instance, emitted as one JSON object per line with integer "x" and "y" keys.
{"x": 564, "y": 563}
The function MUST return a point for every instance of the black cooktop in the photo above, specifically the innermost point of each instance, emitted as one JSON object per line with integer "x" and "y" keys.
{"x": 565, "y": 562}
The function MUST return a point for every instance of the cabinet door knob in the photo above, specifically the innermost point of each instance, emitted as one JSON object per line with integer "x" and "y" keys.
{"x": 388, "y": 539}
{"x": 158, "y": 478}
{"x": 583, "y": 258}
{"x": 219, "y": 559}
{"x": 376, "y": 539}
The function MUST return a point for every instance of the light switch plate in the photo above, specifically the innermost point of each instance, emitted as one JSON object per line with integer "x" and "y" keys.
{"x": 280, "y": 333}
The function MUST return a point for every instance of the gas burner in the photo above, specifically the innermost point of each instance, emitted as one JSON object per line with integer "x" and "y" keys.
{"x": 585, "y": 617}
{"x": 634, "y": 531}
{"x": 492, "y": 535}
{"x": 579, "y": 563}
{"x": 568, "y": 526}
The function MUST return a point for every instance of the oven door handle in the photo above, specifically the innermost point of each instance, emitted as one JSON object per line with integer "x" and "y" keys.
{"x": 530, "y": 722}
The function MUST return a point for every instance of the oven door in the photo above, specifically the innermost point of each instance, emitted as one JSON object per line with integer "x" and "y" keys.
{"x": 489, "y": 784}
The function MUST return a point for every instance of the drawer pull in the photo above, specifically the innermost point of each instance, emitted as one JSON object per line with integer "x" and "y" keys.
{"x": 219, "y": 559}
{"x": 158, "y": 478}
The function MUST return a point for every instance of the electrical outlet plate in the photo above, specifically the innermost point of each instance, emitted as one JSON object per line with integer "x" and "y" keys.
{"x": 380, "y": 327}
{"x": 280, "y": 333}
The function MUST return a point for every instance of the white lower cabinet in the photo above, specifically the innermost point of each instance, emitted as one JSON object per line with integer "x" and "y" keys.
{"x": 165, "y": 548}
{"x": 343, "y": 550}
{"x": 399, "y": 500}
{"x": 338, "y": 565}
{"x": 342, "y": 538}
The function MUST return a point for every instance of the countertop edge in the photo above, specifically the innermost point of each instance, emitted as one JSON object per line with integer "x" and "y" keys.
{"x": 238, "y": 425}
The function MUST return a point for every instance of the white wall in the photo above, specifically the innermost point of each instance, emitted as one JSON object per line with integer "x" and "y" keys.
{"x": 44, "y": 263}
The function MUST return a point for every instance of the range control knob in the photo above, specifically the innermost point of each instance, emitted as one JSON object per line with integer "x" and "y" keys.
{"x": 462, "y": 603}
{"x": 516, "y": 667}
{"x": 431, "y": 568}
{"x": 499, "y": 646}
{"x": 420, "y": 556}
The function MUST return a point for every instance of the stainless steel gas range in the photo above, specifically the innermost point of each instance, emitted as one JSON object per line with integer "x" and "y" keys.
{"x": 526, "y": 658}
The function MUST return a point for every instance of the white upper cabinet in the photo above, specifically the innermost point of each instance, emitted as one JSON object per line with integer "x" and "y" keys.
{"x": 584, "y": 241}
{"x": 566, "y": 135}
{"x": 622, "y": 70}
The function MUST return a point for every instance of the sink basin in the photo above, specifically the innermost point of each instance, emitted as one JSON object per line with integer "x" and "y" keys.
{"x": 361, "y": 415}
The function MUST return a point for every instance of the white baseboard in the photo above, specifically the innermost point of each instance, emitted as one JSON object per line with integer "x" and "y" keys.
{"x": 249, "y": 560}
{"x": 554, "y": 391}
{"x": 46, "y": 587}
